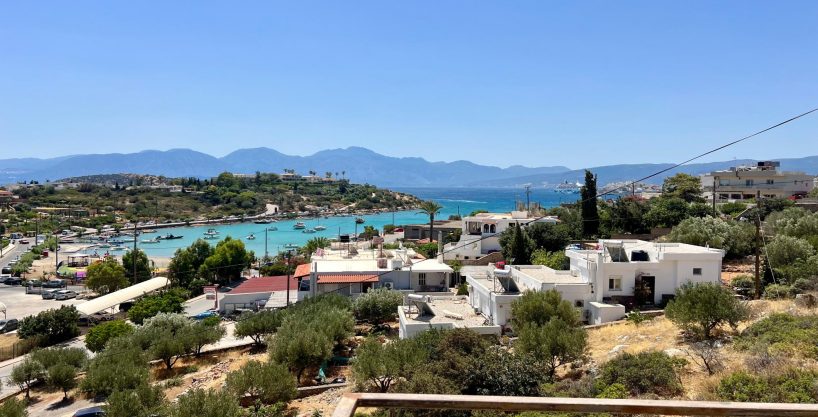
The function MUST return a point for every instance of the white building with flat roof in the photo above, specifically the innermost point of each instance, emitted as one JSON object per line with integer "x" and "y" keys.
{"x": 353, "y": 272}
{"x": 602, "y": 283}
{"x": 764, "y": 179}
{"x": 481, "y": 233}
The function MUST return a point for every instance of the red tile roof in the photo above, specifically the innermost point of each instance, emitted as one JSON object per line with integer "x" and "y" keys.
{"x": 302, "y": 270}
{"x": 346, "y": 278}
{"x": 265, "y": 284}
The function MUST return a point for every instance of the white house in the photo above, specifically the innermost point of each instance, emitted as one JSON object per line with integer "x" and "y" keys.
{"x": 600, "y": 283}
{"x": 481, "y": 233}
{"x": 353, "y": 272}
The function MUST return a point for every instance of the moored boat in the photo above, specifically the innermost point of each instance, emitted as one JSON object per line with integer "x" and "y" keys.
{"x": 251, "y": 237}
{"x": 299, "y": 225}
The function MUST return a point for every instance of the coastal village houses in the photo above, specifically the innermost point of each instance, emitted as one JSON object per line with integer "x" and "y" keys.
{"x": 600, "y": 283}
{"x": 481, "y": 233}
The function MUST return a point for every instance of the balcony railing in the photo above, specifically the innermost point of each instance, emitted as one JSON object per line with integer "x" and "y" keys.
{"x": 350, "y": 402}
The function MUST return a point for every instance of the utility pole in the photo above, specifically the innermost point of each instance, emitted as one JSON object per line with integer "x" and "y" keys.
{"x": 265, "y": 244}
{"x": 758, "y": 245}
{"x": 528, "y": 198}
{"x": 133, "y": 257}
{"x": 287, "y": 257}
{"x": 714, "y": 195}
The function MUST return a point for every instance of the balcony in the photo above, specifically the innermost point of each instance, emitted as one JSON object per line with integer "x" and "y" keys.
{"x": 350, "y": 402}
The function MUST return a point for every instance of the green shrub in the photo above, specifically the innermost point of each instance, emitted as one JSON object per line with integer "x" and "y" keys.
{"x": 51, "y": 326}
{"x": 744, "y": 285}
{"x": 644, "y": 373}
{"x": 778, "y": 292}
{"x": 463, "y": 289}
{"x": 636, "y": 317}
{"x": 790, "y": 386}
{"x": 378, "y": 305}
{"x": 100, "y": 334}
{"x": 732, "y": 209}
{"x": 258, "y": 325}
{"x": 782, "y": 333}
{"x": 701, "y": 307}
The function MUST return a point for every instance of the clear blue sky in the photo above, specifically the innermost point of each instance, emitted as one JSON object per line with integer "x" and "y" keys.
{"x": 534, "y": 83}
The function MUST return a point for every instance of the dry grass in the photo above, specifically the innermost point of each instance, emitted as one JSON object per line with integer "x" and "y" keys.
{"x": 660, "y": 334}
{"x": 7, "y": 340}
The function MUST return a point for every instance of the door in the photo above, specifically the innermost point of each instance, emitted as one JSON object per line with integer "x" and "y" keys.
{"x": 645, "y": 291}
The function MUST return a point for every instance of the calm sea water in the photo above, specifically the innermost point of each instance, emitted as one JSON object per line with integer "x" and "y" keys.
{"x": 454, "y": 201}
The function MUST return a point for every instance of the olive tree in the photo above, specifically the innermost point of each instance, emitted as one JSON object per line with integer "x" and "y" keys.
{"x": 701, "y": 307}
{"x": 378, "y": 305}
{"x": 206, "y": 403}
{"x": 26, "y": 374}
{"x": 381, "y": 365}
{"x": 170, "y": 336}
{"x": 554, "y": 344}
{"x": 265, "y": 382}
{"x": 258, "y": 326}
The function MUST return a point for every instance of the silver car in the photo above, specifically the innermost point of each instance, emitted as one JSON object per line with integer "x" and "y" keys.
{"x": 49, "y": 294}
{"x": 65, "y": 294}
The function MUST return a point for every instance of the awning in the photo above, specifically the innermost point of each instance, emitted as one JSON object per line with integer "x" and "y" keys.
{"x": 118, "y": 297}
{"x": 346, "y": 279}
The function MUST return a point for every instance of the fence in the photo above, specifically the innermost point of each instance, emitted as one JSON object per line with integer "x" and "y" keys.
{"x": 16, "y": 349}
{"x": 350, "y": 402}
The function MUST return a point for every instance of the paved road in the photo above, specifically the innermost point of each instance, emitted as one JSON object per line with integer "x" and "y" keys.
{"x": 13, "y": 253}
{"x": 19, "y": 304}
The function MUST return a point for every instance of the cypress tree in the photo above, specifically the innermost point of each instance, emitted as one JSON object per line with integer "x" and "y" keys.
{"x": 590, "y": 215}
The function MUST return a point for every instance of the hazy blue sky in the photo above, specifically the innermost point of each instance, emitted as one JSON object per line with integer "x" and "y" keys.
{"x": 536, "y": 83}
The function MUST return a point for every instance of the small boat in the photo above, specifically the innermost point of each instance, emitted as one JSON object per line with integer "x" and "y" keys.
{"x": 154, "y": 240}
{"x": 320, "y": 228}
{"x": 210, "y": 237}
{"x": 116, "y": 241}
{"x": 272, "y": 228}
{"x": 118, "y": 249}
{"x": 251, "y": 237}
{"x": 308, "y": 231}
{"x": 170, "y": 236}
{"x": 262, "y": 221}
{"x": 299, "y": 225}
{"x": 148, "y": 231}
{"x": 211, "y": 232}
{"x": 104, "y": 245}
{"x": 291, "y": 246}
{"x": 359, "y": 220}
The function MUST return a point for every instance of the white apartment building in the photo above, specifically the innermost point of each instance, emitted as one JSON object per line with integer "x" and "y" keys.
{"x": 353, "y": 272}
{"x": 747, "y": 182}
{"x": 600, "y": 283}
{"x": 481, "y": 233}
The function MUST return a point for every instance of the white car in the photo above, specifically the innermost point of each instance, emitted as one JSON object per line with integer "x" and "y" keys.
{"x": 65, "y": 295}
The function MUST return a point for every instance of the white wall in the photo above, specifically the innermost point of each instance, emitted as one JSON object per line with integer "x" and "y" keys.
{"x": 604, "y": 313}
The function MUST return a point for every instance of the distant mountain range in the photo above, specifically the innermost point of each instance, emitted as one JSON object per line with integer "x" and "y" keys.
{"x": 357, "y": 164}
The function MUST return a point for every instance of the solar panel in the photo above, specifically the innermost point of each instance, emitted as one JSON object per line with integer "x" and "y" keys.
{"x": 508, "y": 284}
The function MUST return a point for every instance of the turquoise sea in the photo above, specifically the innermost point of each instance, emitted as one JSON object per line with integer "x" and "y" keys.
{"x": 453, "y": 200}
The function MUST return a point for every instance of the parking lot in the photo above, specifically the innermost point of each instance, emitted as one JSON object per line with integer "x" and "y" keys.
{"x": 19, "y": 304}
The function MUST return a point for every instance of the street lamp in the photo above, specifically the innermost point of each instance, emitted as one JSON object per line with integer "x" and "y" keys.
{"x": 288, "y": 255}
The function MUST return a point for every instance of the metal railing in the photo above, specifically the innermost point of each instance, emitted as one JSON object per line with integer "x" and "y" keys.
{"x": 350, "y": 402}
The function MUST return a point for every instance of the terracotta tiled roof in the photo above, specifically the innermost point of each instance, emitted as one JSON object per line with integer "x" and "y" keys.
{"x": 265, "y": 284}
{"x": 302, "y": 270}
{"x": 346, "y": 279}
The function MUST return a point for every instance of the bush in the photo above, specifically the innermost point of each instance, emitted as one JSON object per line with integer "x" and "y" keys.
{"x": 736, "y": 238}
{"x": 744, "y": 285}
{"x": 701, "y": 307}
{"x": 144, "y": 400}
{"x": 498, "y": 372}
{"x": 644, "y": 373}
{"x": 378, "y": 305}
{"x": 538, "y": 307}
{"x": 100, "y": 334}
{"x": 463, "y": 289}
{"x": 782, "y": 333}
{"x": 13, "y": 407}
{"x": 51, "y": 326}
{"x": 168, "y": 302}
{"x": 170, "y": 337}
{"x": 778, "y": 292}
{"x": 784, "y": 250}
{"x": 123, "y": 365}
{"x": 210, "y": 403}
{"x": 790, "y": 386}
{"x": 636, "y": 317}
{"x": 554, "y": 344}
{"x": 258, "y": 326}
{"x": 74, "y": 357}
{"x": 553, "y": 260}
{"x": 380, "y": 365}
{"x": 267, "y": 383}
{"x": 732, "y": 209}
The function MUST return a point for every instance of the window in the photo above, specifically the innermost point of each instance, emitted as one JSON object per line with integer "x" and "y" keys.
{"x": 724, "y": 182}
{"x": 697, "y": 271}
{"x": 422, "y": 279}
{"x": 770, "y": 182}
{"x": 748, "y": 183}
{"x": 615, "y": 283}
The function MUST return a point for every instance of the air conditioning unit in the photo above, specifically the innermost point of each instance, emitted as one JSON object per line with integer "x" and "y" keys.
{"x": 388, "y": 285}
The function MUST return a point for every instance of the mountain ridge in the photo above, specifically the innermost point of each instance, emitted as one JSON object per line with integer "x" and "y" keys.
{"x": 355, "y": 163}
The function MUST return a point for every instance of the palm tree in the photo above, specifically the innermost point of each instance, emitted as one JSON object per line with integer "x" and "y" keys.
{"x": 314, "y": 244}
{"x": 430, "y": 208}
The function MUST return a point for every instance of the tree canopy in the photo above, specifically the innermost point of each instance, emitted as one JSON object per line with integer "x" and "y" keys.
{"x": 701, "y": 307}
{"x": 106, "y": 276}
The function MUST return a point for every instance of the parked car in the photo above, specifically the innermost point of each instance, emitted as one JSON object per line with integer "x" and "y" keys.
{"x": 34, "y": 283}
{"x": 54, "y": 283}
{"x": 5, "y": 270}
{"x": 8, "y": 325}
{"x": 14, "y": 281}
{"x": 65, "y": 295}
{"x": 205, "y": 314}
{"x": 89, "y": 412}
{"x": 49, "y": 294}
{"x": 4, "y": 277}
{"x": 24, "y": 241}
